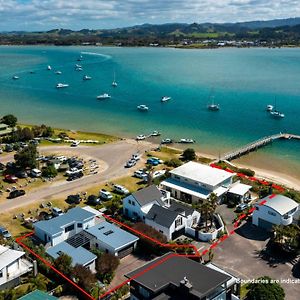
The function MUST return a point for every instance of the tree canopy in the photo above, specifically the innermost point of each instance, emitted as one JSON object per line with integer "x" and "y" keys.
{"x": 9, "y": 120}
{"x": 26, "y": 158}
{"x": 189, "y": 154}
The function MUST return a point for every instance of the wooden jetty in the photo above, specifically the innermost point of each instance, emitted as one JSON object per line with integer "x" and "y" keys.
{"x": 256, "y": 145}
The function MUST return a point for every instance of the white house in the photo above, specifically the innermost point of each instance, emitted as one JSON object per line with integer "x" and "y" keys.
{"x": 12, "y": 266}
{"x": 172, "y": 220}
{"x": 277, "y": 210}
{"x": 61, "y": 228}
{"x": 112, "y": 239}
{"x": 137, "y": 205}
{"x": 194, "y": 182}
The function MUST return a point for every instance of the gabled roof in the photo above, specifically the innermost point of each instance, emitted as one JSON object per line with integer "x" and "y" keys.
{"x": 8, "y": 256}
{"x": 112, "y": 235}
{"x": 37, "y": 295}
{"x": 148, "y": 195}
{"x": 173, "y": 270}
{"x": 57, "y": 224}
{"x": 162, "y": 215}
{"x": 79, "y": 255}
{"x": 280, "y": 203}
{"x": 202, "y": 173}
{"x": 181, "y": 208}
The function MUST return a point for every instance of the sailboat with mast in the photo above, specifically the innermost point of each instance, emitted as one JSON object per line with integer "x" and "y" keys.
{"x": 114, "y": 83}
{"x": 212, "y": 105}
{"x": 276, "y": 113}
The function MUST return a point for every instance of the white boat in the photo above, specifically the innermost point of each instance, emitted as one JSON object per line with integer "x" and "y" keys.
{"x": 58, "y": 72}
{"x": 49, "y": 68}
{"x": 186, "y": 141}
{"x": 165, "y": 98}
{"x": 212, "y": 106}
{"x": 78, "y": 66}
{"x": 79, "y": 69}
{"x": 166, "y": 141}
{"x": 143, "y": 107}
{"x": 103, "y": 96}
{"x": 269, "y": 107}
{"x": 86, "y": 77}
{"x": 114, "y": 83}
{"x": 140, "y": 137}
{"x": 155, "y": 133}
{"x": 15, "y": 77}
{"x": 277, "y": 114}
{"x": 61, "y": 85}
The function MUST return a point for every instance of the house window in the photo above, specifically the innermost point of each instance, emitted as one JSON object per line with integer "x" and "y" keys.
{"x": 178, "y": 222}
{"x": 79, "y": 225}
{"x": 97, "y": 245}
{"x": 271, "y": 213}
{"x": 129, "y": 201}
{"x": 1, "y": 274}
{"x": 69, "y": 228}
{"x": 133, "y": 203}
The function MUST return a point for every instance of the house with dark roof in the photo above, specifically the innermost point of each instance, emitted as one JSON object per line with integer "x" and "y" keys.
{"x": 172, "y": 220}
{"x": 179, "y": 278}
{"x": 277, "y": 210}
{"x": 155, "y": 207}
{"x": 137, "y": 205}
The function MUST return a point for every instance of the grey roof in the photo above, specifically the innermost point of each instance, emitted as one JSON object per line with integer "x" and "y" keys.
{"x": 181, "y": 208}
{"x": 203, "y": 279}
{"x": 79, "y": 255}
{"x": 8, "y": 256}
{"x": 161, "y": 215}
{"x": 148, "y": 195}
{"x": 280, "y": 203}
{"x": 112, "y": 235}
{"x": 57, "y": 224}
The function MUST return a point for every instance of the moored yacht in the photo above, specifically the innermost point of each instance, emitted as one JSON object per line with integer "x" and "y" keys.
{"x": 212, "y": 105}
{"x": 143, "y": 107}
{"x": 269, "y": 107}
{"x": 49, "y": 68}
{"x": 103, "y": 96}
{"x": 61, "y": 85}
{"x": 86, "y": 77}
{"x": 58, "y": 72}
{"x": 114, "y": 83}
{"x": 15, "y": 77}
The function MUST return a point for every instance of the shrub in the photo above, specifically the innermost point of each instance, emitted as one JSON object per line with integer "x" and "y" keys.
{"x": 173, "y": 163}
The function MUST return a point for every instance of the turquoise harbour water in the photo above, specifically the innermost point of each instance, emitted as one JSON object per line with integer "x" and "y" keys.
{"x": 244, "y": 82}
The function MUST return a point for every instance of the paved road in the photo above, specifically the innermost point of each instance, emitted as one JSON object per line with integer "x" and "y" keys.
{"x": 113, "y": 155}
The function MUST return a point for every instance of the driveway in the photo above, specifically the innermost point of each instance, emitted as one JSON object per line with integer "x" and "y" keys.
{"x": 113, "y": 155}
{"x": 240, "y": 255}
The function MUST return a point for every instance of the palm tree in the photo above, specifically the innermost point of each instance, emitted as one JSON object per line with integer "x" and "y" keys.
{"x": 150, "y": 170}
{"x": 206, "y": 211}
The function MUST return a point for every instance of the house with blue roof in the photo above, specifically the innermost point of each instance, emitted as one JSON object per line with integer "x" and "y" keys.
{"x": 112, "y": 239}
{"x": 79, "y": 255}
{"x": 61, "y": 228}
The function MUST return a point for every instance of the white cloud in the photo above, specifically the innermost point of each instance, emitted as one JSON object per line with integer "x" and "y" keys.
{"x": 76, "y": 14}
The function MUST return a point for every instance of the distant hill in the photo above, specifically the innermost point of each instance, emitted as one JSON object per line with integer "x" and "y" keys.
{"x": 270, "y": 23}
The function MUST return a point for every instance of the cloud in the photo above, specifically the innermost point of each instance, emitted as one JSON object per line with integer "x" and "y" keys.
{"x": 76, "y": 14}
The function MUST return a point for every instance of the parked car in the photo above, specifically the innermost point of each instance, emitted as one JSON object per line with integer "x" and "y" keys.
{"x": 130, "y": 163}
{"x": 120, "y": 189}
{"x": 157, "y": 159}
{"x": 21, "y": 174}
{"x": 136, "y": 156}
{"x": 93, "y": 200}
{"x": 75, "y": 176}
{"x": 16, "y": 193}
{"x": 241, "y": 207}
{"x": 10, "y": 178}
{"x": 36, "y": 173}
{"x": 139, "y": 173}
{"x": 105, "y": 195}
{"x": 9, "y": 148}
{"x": 57, "y": 212}
{"x": 5, "y": 233}
{"x": 152, "y": 162}
{"x": 74, "y": 199}
{"x": 158, "y": 173}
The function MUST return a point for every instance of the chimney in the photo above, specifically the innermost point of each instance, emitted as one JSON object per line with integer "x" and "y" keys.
{"x": 185, "y": 286}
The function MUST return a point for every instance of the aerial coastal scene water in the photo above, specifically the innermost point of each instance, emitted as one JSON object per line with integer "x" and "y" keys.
{"x": 241, "y": 81}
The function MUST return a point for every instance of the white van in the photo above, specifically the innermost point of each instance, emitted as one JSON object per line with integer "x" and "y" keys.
{"x": 36, "y": 173}
{"x": 105, "y": 195}
{"x": 57, "y": 212}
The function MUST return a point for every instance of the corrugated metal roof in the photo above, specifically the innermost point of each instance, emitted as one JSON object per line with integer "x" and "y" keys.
{"x": 79, "y": 255}
{"x": 112, "y": 235}
{"x": 55, "y": 225}
{"x": 281, "y": 204}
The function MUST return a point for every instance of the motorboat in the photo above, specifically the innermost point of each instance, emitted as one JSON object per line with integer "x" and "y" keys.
{"x": 78, "y": 66}
{"x": 143, "y": 107}
{"x": 140, "y": 137}
{"x": 166, "y": 141}
{"x": 269, "y": 107}
{"x": 61, "y": 85}
{"x": 86, "y": 77}
{"x": 103, "y": 96}
{"x": 277, "y": 114}
{"x": 58, "y": 72}
{"x": 15, "y": 77}
{"x": 155, "y": 133}
{"x": 165, "y": 98}
{"x": 186, "y": 141}
{"x": 49, "y": 68}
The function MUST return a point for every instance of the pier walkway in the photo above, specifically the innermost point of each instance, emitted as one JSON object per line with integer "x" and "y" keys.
{"x": 257, "y": 144}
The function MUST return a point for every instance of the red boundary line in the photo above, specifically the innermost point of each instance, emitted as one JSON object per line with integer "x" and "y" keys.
{"x": 157, "y": 263}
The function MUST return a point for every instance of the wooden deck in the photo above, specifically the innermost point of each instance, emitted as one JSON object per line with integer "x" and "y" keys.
{"x": 257, "y": 144}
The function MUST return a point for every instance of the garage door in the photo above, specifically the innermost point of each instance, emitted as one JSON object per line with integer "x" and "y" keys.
{"x": 178, "y": 233}
{"x": 125, "y": 252}
{"x": 265, "y": 224}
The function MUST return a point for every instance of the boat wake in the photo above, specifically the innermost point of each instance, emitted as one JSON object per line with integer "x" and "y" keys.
{"x": 106, "y": 57}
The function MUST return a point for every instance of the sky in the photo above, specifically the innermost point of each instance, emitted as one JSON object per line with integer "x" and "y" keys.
{"x": 35, "y": 15}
